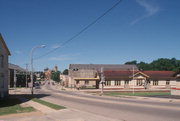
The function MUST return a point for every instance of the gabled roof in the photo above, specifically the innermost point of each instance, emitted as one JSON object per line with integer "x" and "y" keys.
{"x": 3, "y": 42}
{"x": 16, "y": 67}
{"x": 104, "y": 66}
{"x": 141, "y": 73}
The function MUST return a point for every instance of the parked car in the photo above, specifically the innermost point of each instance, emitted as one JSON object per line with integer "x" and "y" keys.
{"x": 37, "y": 85}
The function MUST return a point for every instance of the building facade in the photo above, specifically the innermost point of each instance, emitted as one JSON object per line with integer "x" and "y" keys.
{"x": 4, "y": 53}
{"x": 119, "y": 77}
{"x": 88, "y": 75}
{"x": 139, "y": 80}
{"x": 64, "y": 79}
{"x": 176, "y": 89}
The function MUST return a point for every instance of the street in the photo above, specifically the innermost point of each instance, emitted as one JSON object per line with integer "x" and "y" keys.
{"x": 119, "y": 109}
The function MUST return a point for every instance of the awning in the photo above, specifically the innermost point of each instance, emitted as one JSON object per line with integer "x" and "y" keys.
{"x": 86, "y": 78}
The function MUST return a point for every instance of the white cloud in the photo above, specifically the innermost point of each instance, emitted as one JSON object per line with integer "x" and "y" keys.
{"x": 150, "y": 9}
{"x": 18, "y": 52}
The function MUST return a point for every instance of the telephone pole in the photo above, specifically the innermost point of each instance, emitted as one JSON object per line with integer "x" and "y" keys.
{"x": 133, "y": 80}
{"x": 102, "y": 80}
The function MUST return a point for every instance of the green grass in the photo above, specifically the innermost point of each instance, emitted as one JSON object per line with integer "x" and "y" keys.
{"x": 137, "y": 93}
{"x": 12, "y": 105}
{"x": 51, "y": 105}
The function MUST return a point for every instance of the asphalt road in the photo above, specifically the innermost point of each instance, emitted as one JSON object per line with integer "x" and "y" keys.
{"x": 121, "y": 108}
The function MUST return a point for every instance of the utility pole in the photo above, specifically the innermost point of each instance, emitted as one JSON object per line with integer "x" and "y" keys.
{"x": 31, "y": 63}
{"x": 102, "y": 80}
{"x": 26, "y": 75}
{"x": 133, "y": 80}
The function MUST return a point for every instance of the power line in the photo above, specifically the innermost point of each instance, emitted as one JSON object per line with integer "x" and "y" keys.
{"x": 84, "y": 29}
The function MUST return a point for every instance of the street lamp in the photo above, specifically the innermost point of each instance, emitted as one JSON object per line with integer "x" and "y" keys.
{"x": 31, "y": 62}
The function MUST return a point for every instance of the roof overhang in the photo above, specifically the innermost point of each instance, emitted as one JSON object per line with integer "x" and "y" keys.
{"x": 86, "y": 78}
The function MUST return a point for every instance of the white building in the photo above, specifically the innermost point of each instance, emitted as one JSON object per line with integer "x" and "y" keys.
{"x": 176, "y": 90}
{"x": 4, "y": 53}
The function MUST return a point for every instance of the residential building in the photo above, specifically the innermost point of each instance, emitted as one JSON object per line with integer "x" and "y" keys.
{"x": 4, "y": 53}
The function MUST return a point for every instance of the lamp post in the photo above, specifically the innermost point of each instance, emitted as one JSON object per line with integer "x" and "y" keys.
{"x": 31, "y": 63}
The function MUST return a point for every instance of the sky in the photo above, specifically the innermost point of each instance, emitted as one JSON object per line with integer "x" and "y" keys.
{"x": 142, "y": 30}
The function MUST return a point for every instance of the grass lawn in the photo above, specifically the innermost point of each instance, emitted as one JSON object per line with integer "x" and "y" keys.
{"x": 51, "y": 105}
{"x": 12, "y": 105}
{"x": 137, "y": 93}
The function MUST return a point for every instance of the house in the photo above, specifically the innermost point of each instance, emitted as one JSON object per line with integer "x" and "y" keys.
{"x": 88, "y": 75}
{"x": 119, "y": 77}
{"x": 4, "y": 53}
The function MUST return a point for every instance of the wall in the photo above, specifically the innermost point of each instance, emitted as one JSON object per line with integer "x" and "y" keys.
{"x": 176, "y": 90}
{"x": 133, "y": 84}
{"x": 81, "y": 73}
{"x": 4, "y": 71}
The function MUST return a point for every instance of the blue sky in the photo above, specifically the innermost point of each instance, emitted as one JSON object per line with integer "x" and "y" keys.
{"x": 141, "y": 30}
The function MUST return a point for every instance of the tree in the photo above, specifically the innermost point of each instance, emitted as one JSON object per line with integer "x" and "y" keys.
{"x": 161, "y": 64}
{"x": 55, "y": 76}
{"x": 65, "y": 72}
{"x": 134, "y": 62}
{"x": 144, "y": 66}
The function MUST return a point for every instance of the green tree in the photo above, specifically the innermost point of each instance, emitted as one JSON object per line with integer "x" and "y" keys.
{"x": 55, "y": 76}
{"x": 161, "y": 64}
{"x": 134, "y": 62}
{"x": 65, "y": 72}
{"x": 144, "y": 66}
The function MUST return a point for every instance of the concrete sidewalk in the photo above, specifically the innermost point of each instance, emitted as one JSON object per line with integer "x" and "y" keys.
{"x": 64, "y": 115}
{"x": 49, "y": 114}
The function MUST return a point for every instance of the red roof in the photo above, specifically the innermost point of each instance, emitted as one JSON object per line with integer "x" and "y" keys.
{"x": 159, "y": 74}
{"x": 115, "y": 74}
{"x": 128, "y": 74}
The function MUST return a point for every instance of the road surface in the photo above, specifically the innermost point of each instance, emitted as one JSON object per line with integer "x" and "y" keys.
{"x": 125, "y": 109}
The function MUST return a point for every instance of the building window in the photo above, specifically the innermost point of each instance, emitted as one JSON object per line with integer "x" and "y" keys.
{"x": 155, "y": 82}
{"x": 75, "y": 69}
{"x": 167, "y": 82}
{"x": 86, "y": 82}
{"x": 1, "y": 61}
{"x": 117, "y": 83}
{"x": 107, "y": 83}
{"x": 1, "y": 80}
{"x": 139, "y": 82}
{"x": 126, "y": 82}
